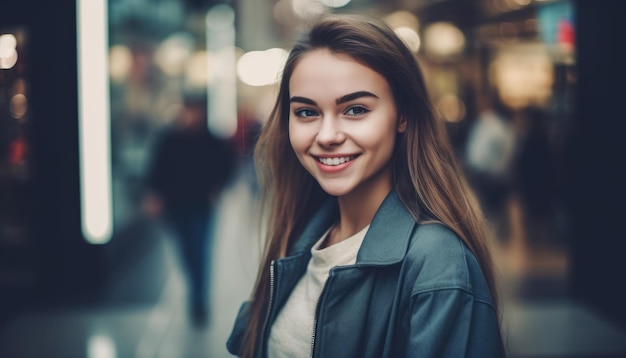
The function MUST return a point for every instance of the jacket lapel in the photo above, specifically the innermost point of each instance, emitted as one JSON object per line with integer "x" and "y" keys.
{"x": 387, "y": 239}
{"x": 326, "y": 216}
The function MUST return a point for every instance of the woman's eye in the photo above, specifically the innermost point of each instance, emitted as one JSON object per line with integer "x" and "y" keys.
{"x": 356, "y": 111}
{"x": 305, "y": 113}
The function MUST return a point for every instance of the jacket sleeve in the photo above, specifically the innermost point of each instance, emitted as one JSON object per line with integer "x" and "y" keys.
{"x": 235, "y": 340}
{"x": 451, "y": 322}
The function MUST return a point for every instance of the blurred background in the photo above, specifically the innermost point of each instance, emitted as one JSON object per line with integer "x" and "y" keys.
{"x": 90, "y": 266}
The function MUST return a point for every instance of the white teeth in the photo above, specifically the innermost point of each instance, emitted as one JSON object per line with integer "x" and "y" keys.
{"x": 335, "y": 161}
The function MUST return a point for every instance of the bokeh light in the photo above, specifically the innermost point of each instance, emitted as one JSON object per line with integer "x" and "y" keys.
{"x": 173, "y": 52}
{"x": 120, "y": 63}
{"x": 451, "y": 108}
{"x": 8, "y": 51}
{"x": 18, "y": 106}
{"x": 261, "y": 68}
{"x": 442, "y": 39}
{"x": 307, "y": 8}
{"x": 402, "y": 19}
{"x": 198, "y": 73}
{"x": 335, "y": 3}
{"x": 523, "y": 76}
{"x": 410, "y": 37}
{"x": 284, "y": 13}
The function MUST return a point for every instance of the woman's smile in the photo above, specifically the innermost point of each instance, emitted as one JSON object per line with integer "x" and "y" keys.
{"x": 334, "y": 161}
{"x": 334, "y": 164}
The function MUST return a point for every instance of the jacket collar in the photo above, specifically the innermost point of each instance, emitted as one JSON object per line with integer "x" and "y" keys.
{"x": 325, "y": 216}
{"x": 386, "y": 241}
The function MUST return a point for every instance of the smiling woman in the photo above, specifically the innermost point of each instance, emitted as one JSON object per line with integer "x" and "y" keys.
{"x": 375, "y": 245}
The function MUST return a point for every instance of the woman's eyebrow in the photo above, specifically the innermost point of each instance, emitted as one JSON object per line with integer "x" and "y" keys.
{"x": 343, "y": 99}
{"x": 302, "y": 100}
{"x": 352, "y": 96}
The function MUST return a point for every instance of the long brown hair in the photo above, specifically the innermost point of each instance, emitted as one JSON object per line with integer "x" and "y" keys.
{"x": 426, "y": 175}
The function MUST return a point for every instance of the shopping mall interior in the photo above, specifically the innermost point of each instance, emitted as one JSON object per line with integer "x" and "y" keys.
{"x": 528, "y": 90}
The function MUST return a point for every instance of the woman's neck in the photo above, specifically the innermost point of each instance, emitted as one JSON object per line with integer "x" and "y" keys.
{"x": 356, "y": 211}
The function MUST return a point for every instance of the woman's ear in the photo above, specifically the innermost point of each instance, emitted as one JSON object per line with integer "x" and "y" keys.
{"x": 402, "y": 125}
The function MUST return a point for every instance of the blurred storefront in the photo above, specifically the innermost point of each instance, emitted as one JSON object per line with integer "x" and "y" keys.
{"x": 43, "y": 255}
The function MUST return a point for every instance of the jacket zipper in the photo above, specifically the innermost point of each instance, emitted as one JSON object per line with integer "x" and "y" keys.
{"x": 269, "y": 307}
{"x": 313, "y": 334}
{"x": 317, "y": 308}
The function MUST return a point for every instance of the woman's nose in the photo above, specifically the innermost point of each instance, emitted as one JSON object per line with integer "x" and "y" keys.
{"x": 330, "y": 132}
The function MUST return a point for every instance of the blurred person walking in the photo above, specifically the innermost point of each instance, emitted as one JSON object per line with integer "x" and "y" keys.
{"x": 489, "y": 160}
{"x": 189, "y": 170}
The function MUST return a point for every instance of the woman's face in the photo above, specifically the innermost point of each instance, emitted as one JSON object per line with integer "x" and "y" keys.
{"x": 342, "y": 123}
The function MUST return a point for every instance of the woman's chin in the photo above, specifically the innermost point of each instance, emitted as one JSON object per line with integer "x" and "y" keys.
{"x": 336, "y": 190}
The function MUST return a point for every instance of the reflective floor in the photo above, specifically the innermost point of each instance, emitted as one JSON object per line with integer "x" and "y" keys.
{"x": 144, "y": 317}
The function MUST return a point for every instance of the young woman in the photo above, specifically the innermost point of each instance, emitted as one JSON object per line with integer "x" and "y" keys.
{"x": 375, "y": 245}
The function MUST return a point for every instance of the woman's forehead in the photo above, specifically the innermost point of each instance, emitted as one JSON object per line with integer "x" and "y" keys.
{"x": 322, "y": 72}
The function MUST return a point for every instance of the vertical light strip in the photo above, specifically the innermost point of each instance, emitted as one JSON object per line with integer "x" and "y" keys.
{"x": 222, "y": 92}
{"x": 94, "y": 121}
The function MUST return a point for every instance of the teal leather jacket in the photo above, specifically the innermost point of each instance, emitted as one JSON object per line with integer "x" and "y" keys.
{"x": 415, "y": 290}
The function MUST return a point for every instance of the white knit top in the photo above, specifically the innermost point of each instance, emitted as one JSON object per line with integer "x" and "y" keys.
{"x": 291, "y": 334}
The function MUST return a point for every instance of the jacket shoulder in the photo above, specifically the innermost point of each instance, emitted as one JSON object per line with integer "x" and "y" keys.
{"x": 437, "y": 259}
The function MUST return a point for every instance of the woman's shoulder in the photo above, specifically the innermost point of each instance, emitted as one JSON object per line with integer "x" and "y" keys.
{"x": 437, "y": 259}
